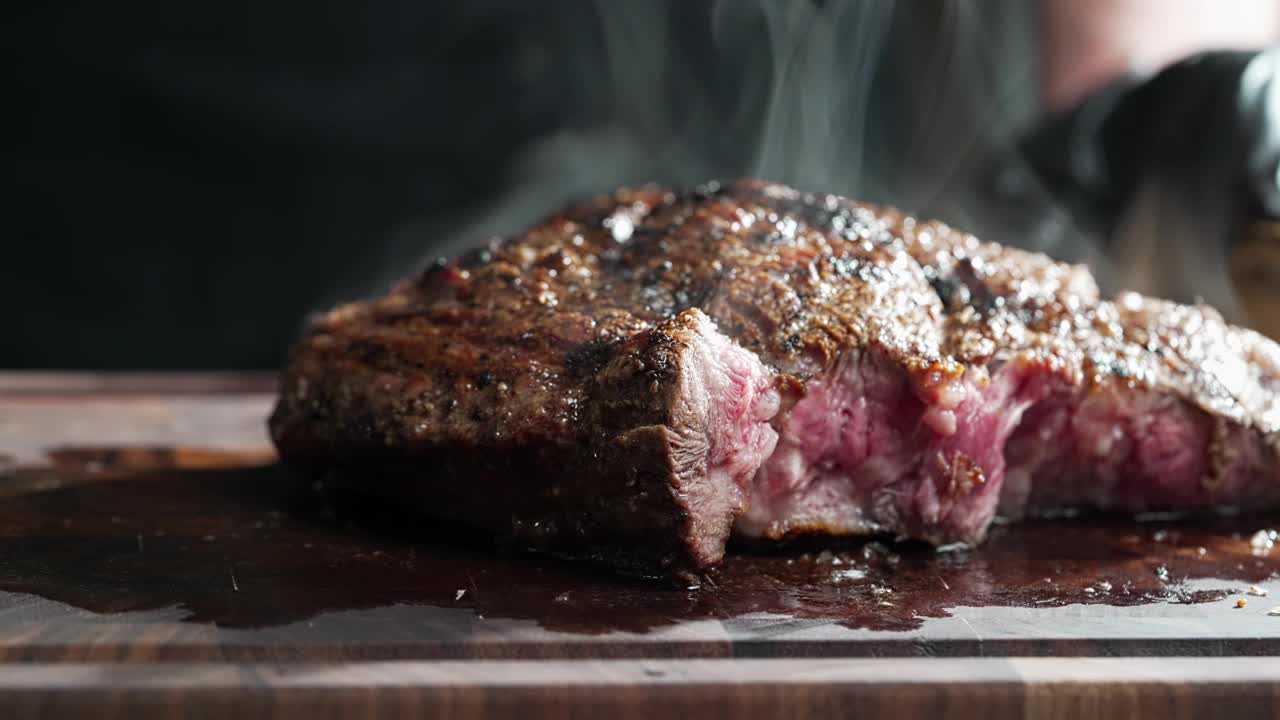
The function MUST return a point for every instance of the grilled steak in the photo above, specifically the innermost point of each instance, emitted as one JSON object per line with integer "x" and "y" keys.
{"x": 637, "y": 375}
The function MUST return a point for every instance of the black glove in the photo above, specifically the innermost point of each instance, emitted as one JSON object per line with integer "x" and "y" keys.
{"x": 1206, "y": 129}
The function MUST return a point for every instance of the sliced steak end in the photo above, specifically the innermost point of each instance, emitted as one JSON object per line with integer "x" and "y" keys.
{"x": 643, "y": 464}
{"x": 875, "y": 447}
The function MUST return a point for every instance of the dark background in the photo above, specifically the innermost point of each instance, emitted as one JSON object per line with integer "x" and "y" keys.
{"x": 190, "y": 179}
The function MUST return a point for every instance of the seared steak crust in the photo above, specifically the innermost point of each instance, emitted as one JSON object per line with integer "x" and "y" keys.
{"x": 566, "y": 386}
{"x": 640, "y": 465}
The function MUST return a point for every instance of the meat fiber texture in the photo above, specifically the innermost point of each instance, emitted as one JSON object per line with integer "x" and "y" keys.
{"x": 640, "y": 375}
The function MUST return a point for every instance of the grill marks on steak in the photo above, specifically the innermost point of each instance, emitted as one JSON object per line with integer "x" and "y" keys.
{"x": 567, "y": 385}
{"x": 637, "y": 452}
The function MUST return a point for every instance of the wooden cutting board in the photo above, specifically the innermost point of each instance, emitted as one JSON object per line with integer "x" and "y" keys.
{"x": 154, "y": 560}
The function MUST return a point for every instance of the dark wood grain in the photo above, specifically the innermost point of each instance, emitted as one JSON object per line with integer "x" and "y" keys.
{"x": 900, "y": 688}
{"x": 153, "y": 557}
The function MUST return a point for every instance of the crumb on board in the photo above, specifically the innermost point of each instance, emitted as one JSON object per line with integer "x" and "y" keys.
{"x": 1274, "y": 611}
{"x": 1257, "y": 591}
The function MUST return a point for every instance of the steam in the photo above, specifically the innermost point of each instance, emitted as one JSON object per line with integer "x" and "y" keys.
{"x": 810, "y": 93}
{"x": 776, "y": 90}
{"x": 824, "y": 61}
{"x": 1165, "y": 249}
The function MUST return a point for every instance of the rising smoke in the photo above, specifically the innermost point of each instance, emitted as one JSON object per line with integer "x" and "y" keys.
{"x": 918, "y": 105}
{"x": 898, "y": 103}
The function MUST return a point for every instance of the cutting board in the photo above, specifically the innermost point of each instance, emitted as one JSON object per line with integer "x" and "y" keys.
{"x": 155, "y": 559}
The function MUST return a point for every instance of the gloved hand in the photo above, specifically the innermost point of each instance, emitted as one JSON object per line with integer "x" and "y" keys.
{"x": 1197, "y": 144}
{"x": 1208, "y": 128}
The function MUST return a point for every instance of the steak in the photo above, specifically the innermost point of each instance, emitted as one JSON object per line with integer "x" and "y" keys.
{"x": 638, "y": 376}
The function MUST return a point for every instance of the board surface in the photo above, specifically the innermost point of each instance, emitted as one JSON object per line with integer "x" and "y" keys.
{"x": 152, "y": 553}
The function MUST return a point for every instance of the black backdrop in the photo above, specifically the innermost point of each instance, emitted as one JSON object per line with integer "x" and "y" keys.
{"x": 189, "y": 179}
